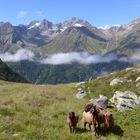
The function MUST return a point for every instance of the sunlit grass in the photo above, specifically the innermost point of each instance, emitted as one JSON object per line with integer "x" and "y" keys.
{"x": 39, "y": 112}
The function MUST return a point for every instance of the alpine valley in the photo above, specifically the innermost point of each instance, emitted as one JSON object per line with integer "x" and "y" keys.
{"x": 74, "y": 50}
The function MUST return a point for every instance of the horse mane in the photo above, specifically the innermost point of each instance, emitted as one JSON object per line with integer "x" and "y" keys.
{"x": 88, "y": 107}
{"x": 71, "y": 114}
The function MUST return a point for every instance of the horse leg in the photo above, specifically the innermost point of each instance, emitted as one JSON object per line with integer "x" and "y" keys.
{"x": 85, "y": 125}
{"x": 95, "y": 129}
{"x": 99, "y": 128}
{"x": 107, "y": 129}
{"x": 90, "y": 127}
{"x": 74, "y": 128}
{"x": 70, "y": 127}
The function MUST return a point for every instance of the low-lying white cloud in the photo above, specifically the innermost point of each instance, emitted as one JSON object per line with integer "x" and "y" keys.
{"x": 67, "y": 58}
{"x": 21, "y": 54}
{"x": 82, "y": 58}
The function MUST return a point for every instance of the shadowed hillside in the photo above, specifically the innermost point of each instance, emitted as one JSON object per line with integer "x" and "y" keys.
{"x": 8, "y": 75}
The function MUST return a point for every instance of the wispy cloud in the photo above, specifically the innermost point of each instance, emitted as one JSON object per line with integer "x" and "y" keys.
{"x": 40, "y": 14}
{"x": 22, "y": 14}
{"x": 21, "y": 54}
{"x": 108, "y": 26}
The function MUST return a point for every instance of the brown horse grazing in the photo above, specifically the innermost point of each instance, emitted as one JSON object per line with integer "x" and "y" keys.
{"x": 72, "y": 121}
{"x": 102, "y": 116}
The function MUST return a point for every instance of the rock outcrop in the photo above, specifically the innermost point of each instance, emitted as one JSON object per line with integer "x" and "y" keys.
{"x": 138, "y": 85}
{"x": 116, "y": 81}
{"x": 80, "y": 88}
{"x": 102, "y": 101}
{"x": 124, "y": 100}
{"x": 81, "y": 93}
{"x": 138, "y": 79}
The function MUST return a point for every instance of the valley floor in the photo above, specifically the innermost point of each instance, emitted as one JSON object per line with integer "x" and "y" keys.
{"x": 39, "y": 112}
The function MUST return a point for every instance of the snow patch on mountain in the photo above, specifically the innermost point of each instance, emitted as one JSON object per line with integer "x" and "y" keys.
{"x": 63, "y": 29}
{"x": 77, "y": 25}
{"x": 35, "y": 25}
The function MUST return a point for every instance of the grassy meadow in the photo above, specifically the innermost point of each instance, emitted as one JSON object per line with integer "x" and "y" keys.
{"x": 39, "y": 112}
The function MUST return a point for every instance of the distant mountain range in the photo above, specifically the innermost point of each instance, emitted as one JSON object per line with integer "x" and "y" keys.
{"x": 72, "y": 35}
{"x": 42, "y": 39}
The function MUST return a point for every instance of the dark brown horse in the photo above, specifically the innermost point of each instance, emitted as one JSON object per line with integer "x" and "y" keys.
{"x": 102, "y": 116}
{"x": 72, "y": 121}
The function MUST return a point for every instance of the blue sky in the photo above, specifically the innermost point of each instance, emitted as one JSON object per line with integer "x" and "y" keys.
{"x": 97, "y": 12}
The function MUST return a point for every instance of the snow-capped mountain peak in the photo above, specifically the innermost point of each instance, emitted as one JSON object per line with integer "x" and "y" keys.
{"x": 36, "y": 24}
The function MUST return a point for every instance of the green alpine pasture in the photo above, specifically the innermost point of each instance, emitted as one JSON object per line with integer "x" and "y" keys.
{"x": 39, "y": 112}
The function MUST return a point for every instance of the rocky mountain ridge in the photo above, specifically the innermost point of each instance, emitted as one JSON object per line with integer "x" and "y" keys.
{"x": 45, "y": 34}
{"x": 35, "y": 47}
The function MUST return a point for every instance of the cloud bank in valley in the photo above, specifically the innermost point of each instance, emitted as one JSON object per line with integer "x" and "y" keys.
{"x": 66, "y": 58}
{"x": 21, "y": 54}
{"x": 82, "y": 58}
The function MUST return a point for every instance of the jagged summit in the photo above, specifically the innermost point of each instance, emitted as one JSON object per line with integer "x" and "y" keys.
{"x": 43, "y": 33}
{"x": 46, "y": 34}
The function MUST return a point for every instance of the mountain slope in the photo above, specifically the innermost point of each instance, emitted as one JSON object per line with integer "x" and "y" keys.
{"x": 125, "y": 39}
{"x": 76, "y": 39}
{"x": 74, "y": 34}
{"x": 71, "y": 35}
{"x": 64, "y": 73}
{"x": 102, "y": 83}
{"x": 8, "y": 75}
